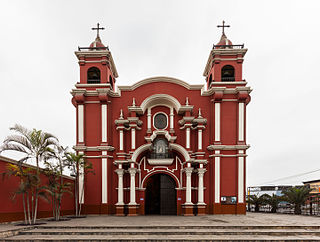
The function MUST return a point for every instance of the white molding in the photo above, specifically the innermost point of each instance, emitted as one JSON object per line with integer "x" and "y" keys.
{"x": 149, "y": 119}
{"x": 217, "y": 121}
{"x": 188, "y": 138}
{"x": 81, "y": 184}
{"x": 104, "y": 123}
{"x": 171, "y": 118}
{"x": 173, "y": 146}
{"x": 241, "y": 122}
{"x": 241, "y": 178}
{"x": 200, "y": 139}
{"x": 160, "y": 100}
{"x": 104, "y": 174}
{"x": 217, "y": 178}
{"x": 121, "y": 140}
{"x": 133, "y": 138}
{"x": 80, "y": 123}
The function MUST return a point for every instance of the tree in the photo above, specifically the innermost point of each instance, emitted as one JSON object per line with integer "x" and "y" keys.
{"x": 273, "y": 201}
{"x": 28, "y": 183}
{"x": 297, "y": 196}
{"x": 56, "y": 186}
{"x": 36, "y": 145}
{"x": 257, "y": 201}
{"x": 79, "y": 166}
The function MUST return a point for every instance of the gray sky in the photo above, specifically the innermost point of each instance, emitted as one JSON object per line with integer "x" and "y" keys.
{"x": 171, "y": 38}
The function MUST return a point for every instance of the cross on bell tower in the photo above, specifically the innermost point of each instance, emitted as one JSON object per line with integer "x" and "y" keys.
{"x": 223, "y": 26}
{"x": 98, "y": 28}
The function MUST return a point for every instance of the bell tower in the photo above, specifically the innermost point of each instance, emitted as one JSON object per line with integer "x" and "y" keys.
{"x": 92, "y": 100}
{"x": 96, "y": 63}
{"x": 229, "y": 98}
{"x": 225, "y": 61}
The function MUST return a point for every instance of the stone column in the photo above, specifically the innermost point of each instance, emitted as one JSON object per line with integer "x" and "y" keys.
{"x": 149, "y": 120}
{"x": 217, "y": 122}
{"x": 120, "y": 204}
{"x": 201, "y": 204}
{"x": 104, "y": 123}
{"x": 132, "y": 204}
{"x": 188, "y": 205}
{"x": 241, "y": 122}
{"x": 171, "y": 120}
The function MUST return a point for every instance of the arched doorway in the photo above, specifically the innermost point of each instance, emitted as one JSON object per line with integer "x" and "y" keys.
{"x": 161, "y": 196}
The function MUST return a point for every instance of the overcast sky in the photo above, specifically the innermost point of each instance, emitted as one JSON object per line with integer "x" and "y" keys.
{"x": 172, "y": 38}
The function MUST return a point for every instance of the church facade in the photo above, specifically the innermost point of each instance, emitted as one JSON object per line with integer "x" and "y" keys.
{"x": 163, "y": 146}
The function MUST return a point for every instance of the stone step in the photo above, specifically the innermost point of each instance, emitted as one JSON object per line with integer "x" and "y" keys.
{"x": 199, "y": 232}
{"x": 173, "y": 227}
{"x": 161, "y": 238}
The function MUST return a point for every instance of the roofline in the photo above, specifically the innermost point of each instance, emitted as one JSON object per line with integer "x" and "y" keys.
{"x": 12, "y": 161}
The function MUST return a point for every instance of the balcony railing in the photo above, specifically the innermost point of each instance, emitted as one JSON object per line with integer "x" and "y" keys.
{"x": 228, "y": 46}
{"x": 227, "y": 79}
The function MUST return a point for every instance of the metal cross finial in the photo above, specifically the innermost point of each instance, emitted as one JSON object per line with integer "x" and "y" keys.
{"x": 223, "y": 26}
{"x": 98, "y": 28}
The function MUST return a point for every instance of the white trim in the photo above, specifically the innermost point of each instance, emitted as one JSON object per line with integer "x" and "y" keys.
{"x": 149, "y": 118}
{"x": 217, "y": 178}
{"x": 217, "y": 121}
{"x": 81, "y": 184}
{"x": 80, "y": 123}
{"x": 178, "y": 183}
{"x": 173, "y": 146}
{"x": 241, "y": 178}
{"x": 241, "y": 122}
{"x": 160, "y": 100}
{"x": 188, "y": 138}
{"x": 104, "y": 173}
{"x": 121, "y": 140}
{"x": 104, "y": 123}
{"x": 200, "y": 139}
{"x": 171, "y": 118}
{"x": 154, "y": 118}
{"x": 133, "y": 138}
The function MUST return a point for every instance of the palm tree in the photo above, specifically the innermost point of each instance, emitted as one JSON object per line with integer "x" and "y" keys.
{"x": 297, "y": 196}
{"x": 273, "y": 201}
{"x": 257, "y": 201}
{"x": 35, "y": 145}
{"x": 79, "y": 166}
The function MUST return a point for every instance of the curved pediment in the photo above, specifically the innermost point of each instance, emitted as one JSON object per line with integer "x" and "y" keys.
{"x": 160, "y": 79}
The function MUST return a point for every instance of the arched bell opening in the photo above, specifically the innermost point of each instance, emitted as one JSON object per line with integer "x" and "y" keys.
{"x": 93, "y": 75}
{"x": 227, "y": 73}
{"x": 160, "y": 195}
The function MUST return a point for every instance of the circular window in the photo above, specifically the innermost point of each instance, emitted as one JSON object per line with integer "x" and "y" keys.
{"x": 160, "y": 121}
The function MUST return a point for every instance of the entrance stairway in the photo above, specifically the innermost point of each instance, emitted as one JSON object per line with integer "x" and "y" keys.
{"x": 166, "y": 233}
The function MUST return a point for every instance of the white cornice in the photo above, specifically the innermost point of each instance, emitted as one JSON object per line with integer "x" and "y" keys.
{"x": 228, "y": 147}
{"x": 160, "y": 79}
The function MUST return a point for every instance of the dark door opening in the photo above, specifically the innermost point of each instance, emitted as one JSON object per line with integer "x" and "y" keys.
{"x": 161, "y": 197}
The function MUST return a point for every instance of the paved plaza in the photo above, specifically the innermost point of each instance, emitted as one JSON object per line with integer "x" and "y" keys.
{"x": 250, "y": 227}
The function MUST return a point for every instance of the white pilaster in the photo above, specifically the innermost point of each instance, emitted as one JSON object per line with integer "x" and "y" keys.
{"x": 133, "y": 138}
{"x": 188, "y": 138}
{"x": 188, "y": 185}
{"x": 121, "y": 140}
{"x": 104, "y": 126}
{"x": 132, "y": 172}
{"x": 80, "y": 123}
{"x": 217, "y": 178}
{"x": 104, "y": 173}
{"x": 201, "y": 172}
{"x": 241, "y": 122}
{"x": 171, "y": 119}
{"x": 199, "y": 139}
{"x": 241, "y": 177}
{"x": 149, "y": 119}
{"x": 81, "y": 183}
{"x": 120, "y": 186}
{"x": 217, "y": 121}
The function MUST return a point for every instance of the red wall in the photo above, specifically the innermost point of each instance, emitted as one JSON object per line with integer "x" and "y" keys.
{"x": 11, "y": 210}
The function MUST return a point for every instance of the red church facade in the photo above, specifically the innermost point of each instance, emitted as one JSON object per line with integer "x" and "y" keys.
{"x": 163, "y": 146}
